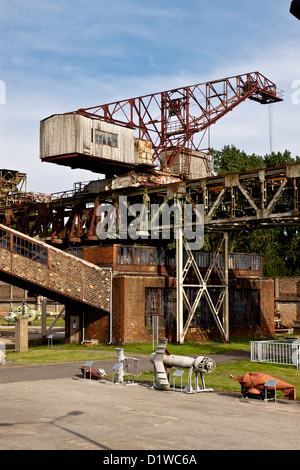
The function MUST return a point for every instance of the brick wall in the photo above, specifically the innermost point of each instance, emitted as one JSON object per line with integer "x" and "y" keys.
{"x": 93, "y": 324}
{"x": 287, "y": 297}
{"x": 289, "y": 287}
{"x": 289, "y": 313}
{"x": 129, "y": 307}
{"x": 77, "y": 280}
{"x": 265, "y": 326}
{"x": 267, "y": 307}
{"x": 100, "y": 255}
{"x": 34, "y": 262}
{"x": 5, "y": 291}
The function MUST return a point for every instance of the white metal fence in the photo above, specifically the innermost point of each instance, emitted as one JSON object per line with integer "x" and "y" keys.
{"x": 286, "y": 352}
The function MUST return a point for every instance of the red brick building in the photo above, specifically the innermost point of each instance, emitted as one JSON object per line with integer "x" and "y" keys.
{"x": 144, "y": 285}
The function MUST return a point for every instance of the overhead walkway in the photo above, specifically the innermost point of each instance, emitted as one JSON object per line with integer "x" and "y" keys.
{"x": 41, "y": 268}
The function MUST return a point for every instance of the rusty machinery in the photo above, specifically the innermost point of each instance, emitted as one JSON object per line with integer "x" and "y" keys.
{"x": 163, "y": 361}
{"x": 88, "y": 371}
{"x": 12, "y": 187}
{"x": 255, "y": 385}
{"x": 177, "y": 121}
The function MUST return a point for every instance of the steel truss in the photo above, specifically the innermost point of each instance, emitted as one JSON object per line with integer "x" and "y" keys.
{"x": 268, "y": 196}
{"x": 202, "y": 286}
{"x": 171, "y": 119}
{"x": 260, "y": 198}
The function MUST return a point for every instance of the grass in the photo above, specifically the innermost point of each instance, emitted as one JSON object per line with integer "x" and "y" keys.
{"x": 58, "y": 353}
{"x": 37, "y": 322}
{"x": 219, "y": 380}
{"x": 191, "y": 348}
{"x": 61, "y": 352}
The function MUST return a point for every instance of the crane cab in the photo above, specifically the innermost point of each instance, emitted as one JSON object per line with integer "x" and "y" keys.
{"x": 78, "y": 141}
{"x": 295, "y": 8}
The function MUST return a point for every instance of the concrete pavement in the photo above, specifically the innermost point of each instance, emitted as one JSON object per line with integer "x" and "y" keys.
{"x": 80, "y": 414}
{"x": 52, "y": 407}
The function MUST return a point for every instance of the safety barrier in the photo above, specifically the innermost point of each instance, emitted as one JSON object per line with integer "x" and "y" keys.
{"x": 286, "y": 352}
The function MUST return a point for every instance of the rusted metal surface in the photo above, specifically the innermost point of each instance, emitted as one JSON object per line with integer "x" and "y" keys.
{"x": 253, "y": 385}
{"x": 268, "y": 197}
{"x": 12, "y": 186}
{"x": 90, "y": 372}
{"x": 165, "y": 119}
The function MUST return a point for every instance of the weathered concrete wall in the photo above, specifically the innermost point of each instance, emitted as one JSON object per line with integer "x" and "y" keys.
{"x": 21, "y": 334}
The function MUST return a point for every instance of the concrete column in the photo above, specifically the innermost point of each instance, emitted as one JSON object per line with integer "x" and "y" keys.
{"x": 21, "y": 333}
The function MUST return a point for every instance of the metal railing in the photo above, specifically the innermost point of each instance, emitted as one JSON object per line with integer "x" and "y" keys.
{"x": 286, "y": 352}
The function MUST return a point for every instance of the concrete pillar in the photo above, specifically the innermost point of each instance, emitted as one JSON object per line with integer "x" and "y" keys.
{"x": 21, "y": 333}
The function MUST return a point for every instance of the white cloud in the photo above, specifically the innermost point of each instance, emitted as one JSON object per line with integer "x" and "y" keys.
{"x": 61, "y": 56}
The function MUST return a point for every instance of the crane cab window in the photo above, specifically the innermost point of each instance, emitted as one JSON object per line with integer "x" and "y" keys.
{"x": 106, "y": 138}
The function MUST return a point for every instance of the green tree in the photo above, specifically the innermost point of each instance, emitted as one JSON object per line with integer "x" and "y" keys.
{"x": 278, "y": 159}
{"x": 280, "y": 246}
{"x": 232, "y": 160}
{"x": 290, "y": 249}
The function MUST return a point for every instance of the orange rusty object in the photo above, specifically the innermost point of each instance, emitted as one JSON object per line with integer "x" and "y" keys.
{"x": 253, "y": 384}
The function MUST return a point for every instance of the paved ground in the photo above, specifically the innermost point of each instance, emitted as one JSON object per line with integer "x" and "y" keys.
{"x": 72, "y": 413}
{"x": 52, "y": 407}
{"x": 10, "y": 374}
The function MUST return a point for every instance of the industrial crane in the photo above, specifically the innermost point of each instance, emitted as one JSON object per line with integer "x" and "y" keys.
{"x": 171, "y": 120}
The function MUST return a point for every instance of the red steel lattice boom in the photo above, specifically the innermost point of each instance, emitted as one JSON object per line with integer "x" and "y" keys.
{"x": 171, "y": 119}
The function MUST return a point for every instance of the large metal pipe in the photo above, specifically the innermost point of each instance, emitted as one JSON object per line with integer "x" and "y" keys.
{"x": 199, "y": 364}
{"x": 162, "y": 362}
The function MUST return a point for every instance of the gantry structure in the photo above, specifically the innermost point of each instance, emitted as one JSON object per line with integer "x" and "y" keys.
{"x": 176, "y": 124}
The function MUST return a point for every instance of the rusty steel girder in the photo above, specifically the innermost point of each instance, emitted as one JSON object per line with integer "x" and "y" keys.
{"x": 171, "y": 119}
{"x": 267, "y": 197}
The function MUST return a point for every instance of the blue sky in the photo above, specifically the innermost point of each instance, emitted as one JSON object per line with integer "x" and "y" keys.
{"x": 63, "y": 55}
